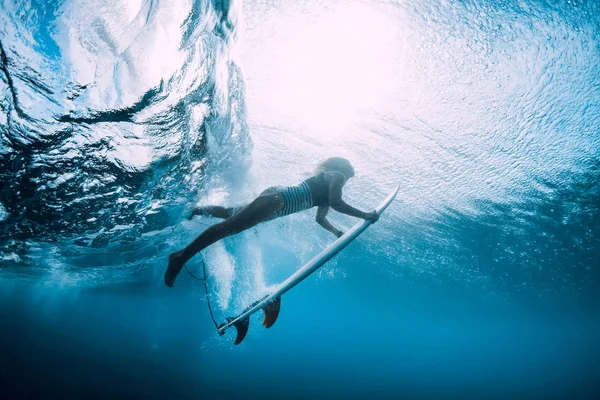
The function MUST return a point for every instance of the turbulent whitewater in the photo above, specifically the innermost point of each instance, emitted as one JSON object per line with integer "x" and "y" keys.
{"x": 114, "y": 115}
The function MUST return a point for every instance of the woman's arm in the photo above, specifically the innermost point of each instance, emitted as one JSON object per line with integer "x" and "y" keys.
{"x": 337, "y": 180}
{"x": 322, "y": 220}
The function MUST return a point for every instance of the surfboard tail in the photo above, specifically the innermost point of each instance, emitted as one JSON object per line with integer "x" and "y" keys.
{"x": 241, "y": 328}
{"x": 271, "y": 311}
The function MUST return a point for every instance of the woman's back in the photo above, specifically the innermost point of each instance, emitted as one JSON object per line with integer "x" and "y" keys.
{"x": 319, "y": 189}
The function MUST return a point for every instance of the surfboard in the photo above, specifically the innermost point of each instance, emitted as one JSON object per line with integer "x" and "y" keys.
{"x": 271, "y": 303}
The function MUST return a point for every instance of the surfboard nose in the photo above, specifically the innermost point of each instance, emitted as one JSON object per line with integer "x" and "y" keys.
{"x": 271, "y": 311}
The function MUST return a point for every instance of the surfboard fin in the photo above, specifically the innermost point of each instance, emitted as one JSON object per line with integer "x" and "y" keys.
{"x": 241, "y": 328}
{"x": 271, "y": 311}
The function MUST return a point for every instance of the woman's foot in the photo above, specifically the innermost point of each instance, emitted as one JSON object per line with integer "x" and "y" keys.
{"x": 175, "y": 265}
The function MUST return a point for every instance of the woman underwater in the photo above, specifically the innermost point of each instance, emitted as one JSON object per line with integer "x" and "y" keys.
{"x": 323, "y": 190}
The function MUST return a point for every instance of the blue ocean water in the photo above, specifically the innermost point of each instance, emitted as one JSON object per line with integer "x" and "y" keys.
{"x": 480, "y": 281}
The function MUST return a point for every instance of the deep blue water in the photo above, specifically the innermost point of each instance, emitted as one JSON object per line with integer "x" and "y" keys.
{"x": 480, "y": 281}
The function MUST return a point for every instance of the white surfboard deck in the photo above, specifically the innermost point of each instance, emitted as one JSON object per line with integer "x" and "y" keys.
{"x": 310, "y": 267}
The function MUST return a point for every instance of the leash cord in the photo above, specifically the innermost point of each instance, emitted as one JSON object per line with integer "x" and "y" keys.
{"x": 205, "y": 289}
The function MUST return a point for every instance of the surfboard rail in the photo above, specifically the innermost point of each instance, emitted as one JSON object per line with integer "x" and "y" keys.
{"x": 271, "y": 302}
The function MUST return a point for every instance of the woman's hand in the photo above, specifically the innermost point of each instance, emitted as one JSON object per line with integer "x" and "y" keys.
{"x": 372, "y": 216}
{"x": 339, "y": 234}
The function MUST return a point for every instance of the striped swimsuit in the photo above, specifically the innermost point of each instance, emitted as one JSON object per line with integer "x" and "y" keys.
{"x": 296, "y": 198}
{"x": 310, "y": 193}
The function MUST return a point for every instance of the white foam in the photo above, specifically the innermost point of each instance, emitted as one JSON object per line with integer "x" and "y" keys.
{"x": 3, "y": 213}
{"x": 221, "y": 268}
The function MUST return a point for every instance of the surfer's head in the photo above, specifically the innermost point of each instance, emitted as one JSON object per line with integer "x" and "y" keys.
{"x": 338, "y": 164}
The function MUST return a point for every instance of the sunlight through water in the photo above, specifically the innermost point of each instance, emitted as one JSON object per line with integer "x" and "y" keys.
{"x": 325, "y": 68}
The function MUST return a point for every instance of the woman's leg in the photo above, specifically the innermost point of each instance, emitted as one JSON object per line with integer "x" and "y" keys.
{"x": 215, "y": 211}
{"x": 262, "y": 208}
